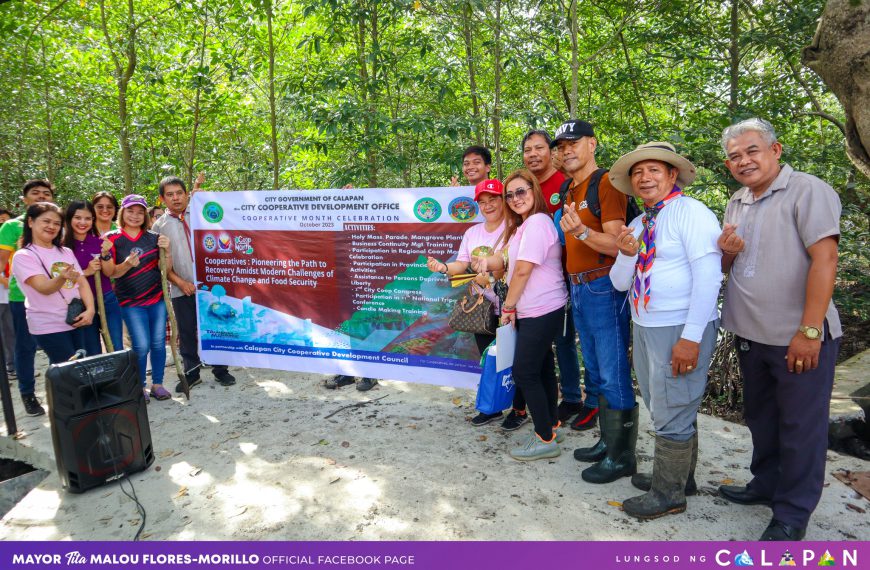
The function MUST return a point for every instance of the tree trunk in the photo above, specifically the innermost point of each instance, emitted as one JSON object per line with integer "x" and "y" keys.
{"x": 734, "y": 56}
{"x": 123, "y": 73}
{"x": 633, "y": 74}
{"x": 49, "y": 138}
{"x": 575, "y": 60}
{"x": 273, "y": 120}
{"x": 467, "y": 35}
{"x": 840, "y": 54}
{"x": 496, "y": 110}
{"x": 191, "y": 157}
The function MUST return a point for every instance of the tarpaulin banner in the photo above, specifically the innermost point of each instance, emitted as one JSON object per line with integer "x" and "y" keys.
{"x": 333, "y": 281}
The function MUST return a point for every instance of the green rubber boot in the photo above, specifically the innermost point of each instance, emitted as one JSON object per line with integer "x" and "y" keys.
{"x": 619, "y": 428}
{"x": 599, "y": 450}
{"x": 670, "y": 473}
{"x": 643, "y": 481}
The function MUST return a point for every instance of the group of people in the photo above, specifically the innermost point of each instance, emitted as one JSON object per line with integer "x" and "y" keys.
{"x": 76, "y": 277}
{"x": 574, "y": 248}
{"x": 581, "y": 260}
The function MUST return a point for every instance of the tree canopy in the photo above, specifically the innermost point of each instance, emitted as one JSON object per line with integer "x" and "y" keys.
{"x": 260, "y": 94}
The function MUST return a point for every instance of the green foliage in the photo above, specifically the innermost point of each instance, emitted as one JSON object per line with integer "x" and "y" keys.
{"x": 379, "y": 92}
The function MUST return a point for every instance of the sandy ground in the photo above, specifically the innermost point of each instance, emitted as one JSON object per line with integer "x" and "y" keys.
{"x": 260, "y": 461}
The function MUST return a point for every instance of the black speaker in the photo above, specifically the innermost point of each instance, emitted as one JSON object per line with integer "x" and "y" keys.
{"x": 99, "y": 420}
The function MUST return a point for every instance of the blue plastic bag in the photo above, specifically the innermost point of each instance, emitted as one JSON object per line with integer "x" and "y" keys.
{"x": 495, "y": 392}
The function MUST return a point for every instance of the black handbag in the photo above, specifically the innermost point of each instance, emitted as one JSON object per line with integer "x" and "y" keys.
{"x": 73, "y": 309}
{"x": 473, "y": 313}
{"x": 75, "y": 306}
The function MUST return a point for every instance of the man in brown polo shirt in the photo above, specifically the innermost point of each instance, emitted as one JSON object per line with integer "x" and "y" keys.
{"x": 601, "y": 313}
{"x": 779, "y": 244}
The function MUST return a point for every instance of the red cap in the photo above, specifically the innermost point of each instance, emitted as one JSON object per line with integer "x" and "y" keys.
{"x": 488, "y": 186}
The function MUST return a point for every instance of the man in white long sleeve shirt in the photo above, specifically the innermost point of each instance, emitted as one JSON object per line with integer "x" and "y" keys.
{"x": 670, "y": 262}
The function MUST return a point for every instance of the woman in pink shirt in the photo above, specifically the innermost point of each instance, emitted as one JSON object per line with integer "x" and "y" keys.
{"x": 50, "y": 278}
{"x": 535, "y": 304}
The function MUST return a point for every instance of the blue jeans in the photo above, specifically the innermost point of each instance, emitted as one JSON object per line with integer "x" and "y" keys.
{"x": 569, "y": 368}
{"x": 93, "y": 344}
{"x": 25, "y": 349}
{"x": 147, "y": 326}
{"x": 601, "y": 315}
{"x": 59, "y": 347}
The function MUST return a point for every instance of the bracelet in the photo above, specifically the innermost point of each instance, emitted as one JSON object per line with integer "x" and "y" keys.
{"x": 446, "y": 269}
{"x": 509, "y": 307}
{"x": 508, "y": 311}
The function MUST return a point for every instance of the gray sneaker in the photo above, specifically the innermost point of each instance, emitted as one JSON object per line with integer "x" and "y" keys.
{"x": 534, "y": 449}
{"x": 366, "y": 384}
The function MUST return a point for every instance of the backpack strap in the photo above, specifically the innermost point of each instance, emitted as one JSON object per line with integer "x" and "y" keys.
{"x": 592, "y": 201}
{"x": 563, "y": 191}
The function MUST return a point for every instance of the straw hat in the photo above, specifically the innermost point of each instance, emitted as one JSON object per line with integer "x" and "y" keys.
{"x": 663, "y": 151}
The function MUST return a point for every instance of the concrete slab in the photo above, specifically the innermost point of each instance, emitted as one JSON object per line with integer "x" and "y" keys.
{"x": 260, "y": 461}
{"x": 851, "y": 397}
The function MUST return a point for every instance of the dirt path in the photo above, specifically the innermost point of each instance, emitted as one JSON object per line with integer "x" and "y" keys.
{"x": 260, "y": 461}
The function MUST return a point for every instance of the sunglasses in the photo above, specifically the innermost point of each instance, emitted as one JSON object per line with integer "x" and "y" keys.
{"x": 520, "y": 193}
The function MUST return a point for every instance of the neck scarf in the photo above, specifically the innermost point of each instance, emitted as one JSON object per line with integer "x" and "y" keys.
{"x": 646, "y": 253}
{"x": 187, "y": 231}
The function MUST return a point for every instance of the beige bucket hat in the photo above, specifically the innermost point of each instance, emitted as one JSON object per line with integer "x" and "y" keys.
{"x": 663, "y": 151}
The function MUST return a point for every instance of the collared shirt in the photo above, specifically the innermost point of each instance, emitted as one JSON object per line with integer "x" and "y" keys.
{"x": 767, "y": 287}
{"x": 179, "y": 244}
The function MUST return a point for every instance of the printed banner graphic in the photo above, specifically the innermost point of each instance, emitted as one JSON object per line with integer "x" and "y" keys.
{"x": 333, "y": 281}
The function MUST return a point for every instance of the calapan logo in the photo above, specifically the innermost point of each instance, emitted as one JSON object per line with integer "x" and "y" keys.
{"x": 462, "y": 209}
{"x": 225, "y": 243}
{"x": 507, "y": 381}
{"x": 427, "y": 209}
{"x": 209, "y": 243}
{"x": 212, "y": 212}
{"x": 243, "y": 245}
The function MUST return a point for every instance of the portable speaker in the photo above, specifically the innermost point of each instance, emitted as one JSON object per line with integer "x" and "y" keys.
{"x": 99, "y": 420}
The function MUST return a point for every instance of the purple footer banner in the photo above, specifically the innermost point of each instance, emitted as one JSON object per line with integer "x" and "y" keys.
{"x": 431, "y": 555}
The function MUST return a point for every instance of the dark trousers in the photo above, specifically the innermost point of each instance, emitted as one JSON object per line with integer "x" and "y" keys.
{"x": 25, "y": 349}
{"x": 185, "y": 316}
{"x": 534, "y": 368}
{"x": 787, "y": 415}
{"x": 484, "y": 340}
{"x": 61, "y": 346}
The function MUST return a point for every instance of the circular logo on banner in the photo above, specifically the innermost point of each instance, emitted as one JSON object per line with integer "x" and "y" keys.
{"x": 212, "y": 212}
{"x": 209, "y": 243}
{"x": 554, "y": 198}
{"x": 427, "y": 209}
{"x": 462, "y": 209}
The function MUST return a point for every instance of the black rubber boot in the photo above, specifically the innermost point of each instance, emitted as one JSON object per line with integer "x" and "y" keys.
{"x": 670, "y": 473}
{"x": 599, "y": 450}
{"x": 619, "y": 428}
{"x": 643, "y": 481}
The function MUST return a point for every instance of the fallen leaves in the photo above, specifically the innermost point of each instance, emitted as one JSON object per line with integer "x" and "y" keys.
{"x": 855, "y": 508}
{"x": 481, "y": 438}
{"x": 616, "y": 504}
{"x": 182, "y": 492}
{"x": 457, "y": 401}
{"x": 345, "y": 444}
{"x": 727, "y": 481}
{"x": 195, "y": 471}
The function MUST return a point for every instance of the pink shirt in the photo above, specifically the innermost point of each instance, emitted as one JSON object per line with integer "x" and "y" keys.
{"x": 477, "y": 242}
{"x": 536, "y": 241}
{"x": 46, "y": 314}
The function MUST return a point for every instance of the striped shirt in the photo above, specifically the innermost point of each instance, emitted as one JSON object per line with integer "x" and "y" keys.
{"x": 140, "y": 286}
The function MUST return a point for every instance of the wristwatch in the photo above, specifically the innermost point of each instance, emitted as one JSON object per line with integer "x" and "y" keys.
{"x": 812, "y": 333}
{"x": 582, "y": 235}
{"x": 106, "y": 257}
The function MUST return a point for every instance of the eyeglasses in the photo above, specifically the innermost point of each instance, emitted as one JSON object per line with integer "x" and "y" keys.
{"x": 520, "y": 193}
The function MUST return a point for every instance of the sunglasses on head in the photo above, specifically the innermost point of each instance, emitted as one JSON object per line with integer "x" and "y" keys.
{"x": 518, "y": 193}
